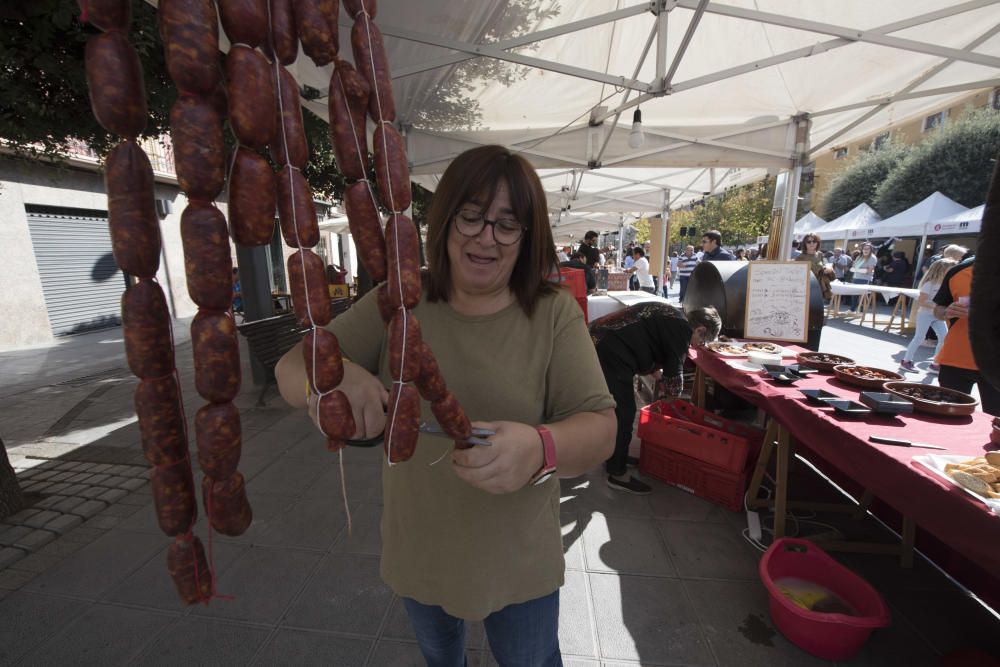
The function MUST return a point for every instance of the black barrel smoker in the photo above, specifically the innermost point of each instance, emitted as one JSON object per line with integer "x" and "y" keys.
{"x": 724, "y": 286}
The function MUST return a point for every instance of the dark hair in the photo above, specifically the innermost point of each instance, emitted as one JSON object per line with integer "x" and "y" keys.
{"x": 810, "y": 237}
{"x": 590, "y": 235}
{"x": 707, "y": 317}
{"x": 639, "y": 251}
{"x": 579, "y": 253}
{"x": 474, "y": 176}
{"x": 713, "y": 234}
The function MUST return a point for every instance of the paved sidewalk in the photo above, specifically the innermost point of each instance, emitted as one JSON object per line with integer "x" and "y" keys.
{"x": 665, "y": 579}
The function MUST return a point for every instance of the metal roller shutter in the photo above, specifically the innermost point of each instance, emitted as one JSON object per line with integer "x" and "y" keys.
{"x": 81, "y": 283}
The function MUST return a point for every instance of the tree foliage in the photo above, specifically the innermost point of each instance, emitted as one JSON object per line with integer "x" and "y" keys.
{"x": 740, "y": 214}
{"x": 859, "y": 182}
{"x": 957, "y": 161}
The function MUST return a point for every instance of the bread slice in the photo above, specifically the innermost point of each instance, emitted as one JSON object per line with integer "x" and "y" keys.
{"x": 972, "y": 483}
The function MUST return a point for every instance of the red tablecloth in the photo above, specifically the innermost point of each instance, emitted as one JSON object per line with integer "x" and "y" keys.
{"x": 888, "y": 471}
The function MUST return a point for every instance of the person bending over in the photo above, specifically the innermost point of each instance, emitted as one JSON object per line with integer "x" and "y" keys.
{"x": 637, "y": 341}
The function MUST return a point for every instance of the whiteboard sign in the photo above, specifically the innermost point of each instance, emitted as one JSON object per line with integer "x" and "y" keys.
{"x": 777, "y": 305}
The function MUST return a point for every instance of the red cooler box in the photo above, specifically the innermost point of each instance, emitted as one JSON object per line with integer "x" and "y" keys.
{"x": 576, "y": 282}
{"x": 698, "y": 451}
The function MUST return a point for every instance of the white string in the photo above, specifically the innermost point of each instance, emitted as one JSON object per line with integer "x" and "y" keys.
{"x": 343, "y": 490}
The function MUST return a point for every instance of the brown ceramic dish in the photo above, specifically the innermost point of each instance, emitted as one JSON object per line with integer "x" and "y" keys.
{"x": 865, "y": 376}
{"x": 934, "y": 400}
{"x": 822, "y": 361}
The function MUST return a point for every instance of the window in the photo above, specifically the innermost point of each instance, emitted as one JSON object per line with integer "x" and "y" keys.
{"x": 934, "y": 121}
{"x": 879, "y": 142}
{"x": 840, "y": 153}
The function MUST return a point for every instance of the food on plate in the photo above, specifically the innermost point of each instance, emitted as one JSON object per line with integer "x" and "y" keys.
{"x": 822, "y": 361}
{"x": 868, "y": 373}
{"x": 725, "y": 348}
{"x": 978, "y": 475}
{"x": 770, "y": 348}
{"x": 935, "y": 394}
{"x": 993, "y": 458}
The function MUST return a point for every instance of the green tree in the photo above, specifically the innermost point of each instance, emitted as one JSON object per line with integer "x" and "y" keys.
{"x": 859, "y": 182}
{"x": 957, "y": 162}
{"x": 740, "y": 214}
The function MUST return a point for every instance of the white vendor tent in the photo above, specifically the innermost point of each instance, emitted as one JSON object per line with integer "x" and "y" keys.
{"x": 728, "y": 90}
{"x": 968, "y": 221}
{"x": 861, "y": 219}
{"x": 810, "y": 222}
{"x": 913, "y": 221}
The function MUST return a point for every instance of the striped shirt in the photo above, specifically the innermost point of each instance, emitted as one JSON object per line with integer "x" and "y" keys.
{"x": 685, "y": 265}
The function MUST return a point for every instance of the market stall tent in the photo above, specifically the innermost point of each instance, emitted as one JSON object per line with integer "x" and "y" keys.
{"x": 914, "y": 220}
{"x": 810, "y": 222}
{"x": 861, "y": 219}
{"x": 969, "y": 221}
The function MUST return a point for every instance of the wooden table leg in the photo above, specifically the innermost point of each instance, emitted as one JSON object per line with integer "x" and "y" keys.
{"x": 909, "y": 538}
{"x": 900, "y": 309}
{"x": 781, "y": 482}
{"x": 763, "y": 458}
{"x": 698, "y": 390}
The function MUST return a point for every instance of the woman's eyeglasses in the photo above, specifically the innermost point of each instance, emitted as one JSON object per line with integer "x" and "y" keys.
{"x": 506, "y": 230}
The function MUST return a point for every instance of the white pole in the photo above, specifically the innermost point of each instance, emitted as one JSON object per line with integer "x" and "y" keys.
{"x": 664, "y": 255}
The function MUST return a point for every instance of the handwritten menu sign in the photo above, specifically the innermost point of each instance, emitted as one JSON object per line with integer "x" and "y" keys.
{"x": 777, "y": 305}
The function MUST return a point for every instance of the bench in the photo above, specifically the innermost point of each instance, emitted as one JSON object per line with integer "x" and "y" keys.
{"x": 270, "y": 338}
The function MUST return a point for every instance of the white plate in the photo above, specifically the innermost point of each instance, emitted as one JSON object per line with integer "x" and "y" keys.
{"x": 744, "y": 365}
{"x": 784, "y": 351}
{"x": 936, "y": 463}
{"x": 729, "y": 354}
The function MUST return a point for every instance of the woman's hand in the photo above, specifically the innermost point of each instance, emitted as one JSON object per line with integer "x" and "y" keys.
{"x": 368, "y": 399}
{"x": 506, "y": 465}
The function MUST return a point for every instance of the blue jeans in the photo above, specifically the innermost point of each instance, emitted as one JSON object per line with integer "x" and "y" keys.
{"x": 525, "y": 634}
{"x": 684, "y": 286}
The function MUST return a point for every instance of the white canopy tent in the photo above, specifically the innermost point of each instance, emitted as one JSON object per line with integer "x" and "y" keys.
{"x": 861, "y": 219}
{"x": 810, "y": 222}
{"x": 727, "y": 89}
{"x": 969, "y": 221}
{"x": 913, "y": 221}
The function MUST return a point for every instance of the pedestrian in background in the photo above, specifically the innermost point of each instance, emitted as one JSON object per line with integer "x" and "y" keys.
{"x": 929, "y": 286}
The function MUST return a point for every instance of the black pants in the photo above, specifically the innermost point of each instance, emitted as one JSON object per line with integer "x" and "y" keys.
{"x": 621, "y": 388}
{"x": 962, "y": 379}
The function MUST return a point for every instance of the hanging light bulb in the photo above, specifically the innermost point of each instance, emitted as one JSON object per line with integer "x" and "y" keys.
{"x": 635, "y": 137}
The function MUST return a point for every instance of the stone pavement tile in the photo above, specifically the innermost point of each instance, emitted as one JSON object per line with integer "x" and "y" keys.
{"x": 308, "y": 523}
{"x": 669, "y": 502}
{"x": 11, "y": 534}
{"x": 29, "y": 619}
{"x": 591, "y": 493}
{"x": 577, "y": 628}
{"x": 268, "y": 508}
{"x": 11, "y": 555}
{"x": 266, "y": 444}
{"x": 631, "y": 546}
{"x": 99, "y": 479}
{"x": 13, "y": 579}
{"x": 947, "y": 620}
{"x": 294, "y": 424}
{"x": 102, "y": 635}
{"x": 647, "y": 619}
{"x": 572, "y": 537}
{"x": 397, "y": 626}
{"x": 38, "y": 562}
{"x": 364, "y": 482}
{"x": 21, "y": 518}
{"x": 200, "y": 641}
{"x": 734, "y": 616}
{"x": 103, "y": 522}
{"x": 134, "y": 484}
{"x": 85, "y": 535}
{"x": 260, "y": 418}
{"x": 101, "y": 565}
{"x": 709, "y": 550}
{"x": 89, "y": 508}
{"x": 121, "y": 510}
{"x": 366, "y": 534}
{"x": 91, "y": 492}
{"x": 35, "y": 540}
{"x": 60, "y": 548}
{"x": 49, "y": 502}
{"x": 345, "y": 593}
{"x": 57, "y": 488}
{"x": 64, "y": 524}
{"x": 286, "y": 476}
{"x": 68, "y": 503}
{"x": 39, "y": 519}
{"x": 144, "y": 520}
{"x": 300, "y": 647}
{"x": 70, "y": 489}
{"x": 263, "y": 581}
{"x": 151, "y": 585}
{"x": 111, "y": 496}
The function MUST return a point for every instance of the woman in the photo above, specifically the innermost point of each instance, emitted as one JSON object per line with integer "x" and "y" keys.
{"x": 470, "y": 538}
{"x": 863, "y": 270}
{"x": 811, "y": 254}
{"x": 929, "y": 286}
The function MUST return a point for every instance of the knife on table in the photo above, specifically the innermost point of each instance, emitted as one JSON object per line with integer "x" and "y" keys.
{"x": 903, "y": 443}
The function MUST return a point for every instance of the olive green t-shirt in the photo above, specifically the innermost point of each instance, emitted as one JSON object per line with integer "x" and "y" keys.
{"x": 445, "y": 542}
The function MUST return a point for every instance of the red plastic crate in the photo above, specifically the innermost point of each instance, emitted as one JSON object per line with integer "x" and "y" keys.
{"x": 695, "y": 433}
{"x": 694, "y": 476}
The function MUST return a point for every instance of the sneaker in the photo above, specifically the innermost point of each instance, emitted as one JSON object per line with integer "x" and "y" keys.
{"x": 631, "y": 486}
{"x": 907, "y": 365}
{"x": 632, "y": 461}
{"x": 935, "y": 367}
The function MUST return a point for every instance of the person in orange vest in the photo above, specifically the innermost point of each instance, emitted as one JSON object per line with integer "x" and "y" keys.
{"x": 958, "y": 369}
